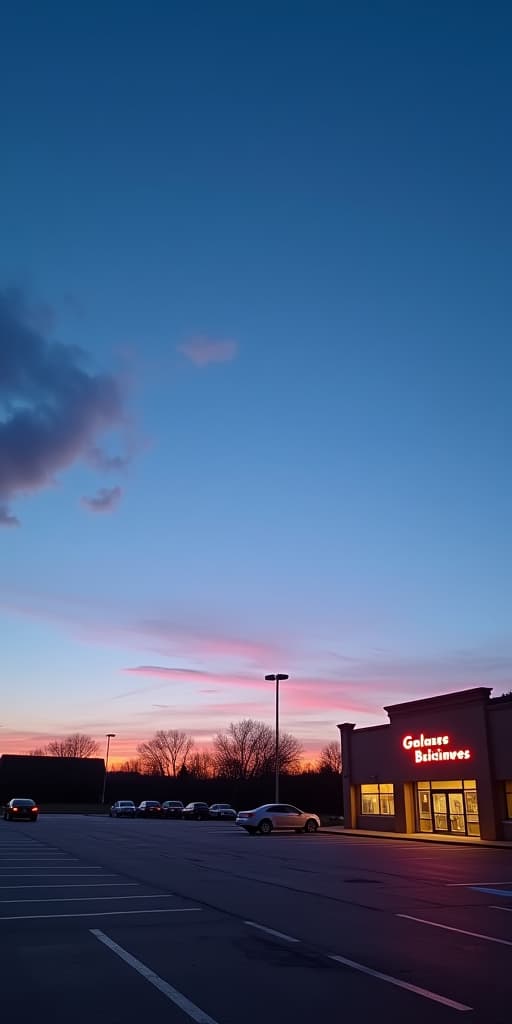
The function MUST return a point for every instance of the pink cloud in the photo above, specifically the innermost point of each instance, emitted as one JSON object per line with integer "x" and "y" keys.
{"x": 202, "y": 350}
{"x": 299, "y": 694}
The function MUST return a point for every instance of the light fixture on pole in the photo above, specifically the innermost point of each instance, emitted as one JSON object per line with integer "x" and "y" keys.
{"x": 277, "y": 678}
{"x": 109, "y": 736}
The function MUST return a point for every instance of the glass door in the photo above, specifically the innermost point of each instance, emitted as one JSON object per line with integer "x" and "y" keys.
{"x": 457, "y": 816}
{"x": 440, "y": 812}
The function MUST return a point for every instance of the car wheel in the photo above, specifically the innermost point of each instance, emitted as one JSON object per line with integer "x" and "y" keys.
{"x": 311, "y": 826}
{"x": 265, "y": 827}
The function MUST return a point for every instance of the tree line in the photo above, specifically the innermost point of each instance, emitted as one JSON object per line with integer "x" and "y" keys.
{"x": 244, "y": 751}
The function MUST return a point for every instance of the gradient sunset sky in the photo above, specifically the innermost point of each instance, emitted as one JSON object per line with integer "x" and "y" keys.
{"x": 255, "y": 363}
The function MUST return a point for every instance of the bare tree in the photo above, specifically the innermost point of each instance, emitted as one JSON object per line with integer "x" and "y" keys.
{"x": 330, "y": 758}
{"x": 166, "y": 753}
{"x": 39, "y": 752}
{"x": 76, "y": 745}
{"x": 247, "y": 750}
{"x": 201, "y": 764}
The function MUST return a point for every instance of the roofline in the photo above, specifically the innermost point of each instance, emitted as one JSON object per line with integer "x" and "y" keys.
{"x": 474, "y": 695}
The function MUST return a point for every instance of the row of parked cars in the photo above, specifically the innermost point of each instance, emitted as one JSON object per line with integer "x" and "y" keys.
{"x": 195, "y": 811}
{"x": 264, "y": 819}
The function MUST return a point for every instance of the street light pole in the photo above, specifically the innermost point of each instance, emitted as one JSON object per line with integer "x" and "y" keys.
{"x": 277, "y": 679}
{"x": 109, "y": 736}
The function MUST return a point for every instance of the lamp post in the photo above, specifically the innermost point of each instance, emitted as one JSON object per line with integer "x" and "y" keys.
{"x": 277, "y": 679}
{"x": 109, "y": 736}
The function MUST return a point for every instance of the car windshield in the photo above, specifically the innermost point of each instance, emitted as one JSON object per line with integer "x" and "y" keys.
{"x": 152, "y": 803}
{"x": 23, "y": 803}
{"x": 126, "y": 803}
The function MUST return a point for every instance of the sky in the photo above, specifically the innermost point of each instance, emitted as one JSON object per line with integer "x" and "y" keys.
{"x": 255, "y": 363}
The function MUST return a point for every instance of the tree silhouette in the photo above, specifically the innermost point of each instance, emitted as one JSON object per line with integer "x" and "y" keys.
{"x": 166, "y": 753}
{"x": 247, "y": 750}
{"x": 330, "y": 758}
{"x": 76, "y": 745}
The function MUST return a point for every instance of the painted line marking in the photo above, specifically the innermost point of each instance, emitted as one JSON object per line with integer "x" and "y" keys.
{"x": 102, "y": 913}
{"x": 70, "y": 885}
{"x": 469, "y": 885}
{"x": 272, "y": 931}
{"x": 425, "y": 992}
{"x": 168, "y": 990}
{"x": 90, "y": 899}
{"x": 461, "y": 931}
{"x": 508, "y": 910}
{"x": 492, "y": 892}
{"x": 55, "y": 874}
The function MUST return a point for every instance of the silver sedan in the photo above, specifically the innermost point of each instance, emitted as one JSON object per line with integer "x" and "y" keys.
{"x": 269, "y": 817}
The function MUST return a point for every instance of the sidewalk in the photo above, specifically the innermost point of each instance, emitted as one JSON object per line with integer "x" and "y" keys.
{"x": 339, "y": 830}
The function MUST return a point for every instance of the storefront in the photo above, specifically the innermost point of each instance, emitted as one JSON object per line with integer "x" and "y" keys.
{"x": 442, "y": 765}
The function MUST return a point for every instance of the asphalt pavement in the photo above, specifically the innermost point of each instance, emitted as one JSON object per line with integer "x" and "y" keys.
{"x": 110, "y": 919}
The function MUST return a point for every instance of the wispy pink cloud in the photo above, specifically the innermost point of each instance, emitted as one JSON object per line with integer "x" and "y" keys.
{"x": 202, "y": 350}
{"x": 299, "y": 694}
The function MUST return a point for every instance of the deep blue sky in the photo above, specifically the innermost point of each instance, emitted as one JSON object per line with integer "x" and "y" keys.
{"x": 316, "y": 195}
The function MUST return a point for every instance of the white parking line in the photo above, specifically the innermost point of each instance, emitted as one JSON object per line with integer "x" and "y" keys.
{"x": 461, "y": 931}
{"x": 102, "y": 913}
{"x": 70, "y": 885}
{"x": 56, "y": 874}
{"x": 90, "y": 899}
{"x": 179, "y": 1000}
{"x": 425, "y": 992}
{"x": 271, "y": 931}
{"x": 508, "y": 910}
{"x": 51, "y": 867}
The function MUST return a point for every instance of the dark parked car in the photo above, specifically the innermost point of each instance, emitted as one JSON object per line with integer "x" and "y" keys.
{"x": 196, "y": 811}
{"x": 20, "y": 809}
{"x": 172, "y": 809}
{"x": 224, "y": 811}
{"x": 123, "y": 809}
{"x": 149, "y": 809}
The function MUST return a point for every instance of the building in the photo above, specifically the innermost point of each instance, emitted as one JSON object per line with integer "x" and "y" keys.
{"x": 51, "y": 779}
{"x": 441, "y": 765}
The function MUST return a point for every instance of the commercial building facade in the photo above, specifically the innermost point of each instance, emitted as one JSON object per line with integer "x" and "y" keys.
{"x": 441, "y": 766}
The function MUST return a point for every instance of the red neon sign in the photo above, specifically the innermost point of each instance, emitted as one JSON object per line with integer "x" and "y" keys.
{"x": 433, "y": 748}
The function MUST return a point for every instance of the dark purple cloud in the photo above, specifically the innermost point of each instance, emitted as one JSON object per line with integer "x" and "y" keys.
{"x": 104, "y": 500}
{"x": 6, "y": 517}
{"x": 52, "y": 408}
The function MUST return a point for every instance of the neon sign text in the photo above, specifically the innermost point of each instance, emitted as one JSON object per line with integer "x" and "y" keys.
{"x": 433, "y": 748}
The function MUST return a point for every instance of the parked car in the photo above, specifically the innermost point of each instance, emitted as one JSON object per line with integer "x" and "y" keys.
{"x": 268, "y": 817}
{"x": 123, "y": 809}
{"x": 172, "y": 809}
{"x": 149, "y": 809}
{"x": 196, "y": 811}
{"x": 21, "y": 809}
{"x": 224, "y": 811}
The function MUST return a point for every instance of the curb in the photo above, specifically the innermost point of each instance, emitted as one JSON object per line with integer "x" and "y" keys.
{"x": 479, "y": 844}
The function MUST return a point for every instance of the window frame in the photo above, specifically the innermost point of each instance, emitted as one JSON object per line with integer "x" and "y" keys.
{"x": 384, "y": 795}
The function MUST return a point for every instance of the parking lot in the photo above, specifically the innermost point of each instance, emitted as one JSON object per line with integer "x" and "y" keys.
{"x": 199, "y": 921}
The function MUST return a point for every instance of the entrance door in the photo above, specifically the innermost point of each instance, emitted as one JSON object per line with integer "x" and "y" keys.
{"x": 457, "y": 816}
{"x": 440, "y": 812}
{"x": 448, "y": 809}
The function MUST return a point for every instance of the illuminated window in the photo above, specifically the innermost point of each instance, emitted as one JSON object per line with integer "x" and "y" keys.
{"x": 508, "y": 794}
{"x": 377, "y": 798}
